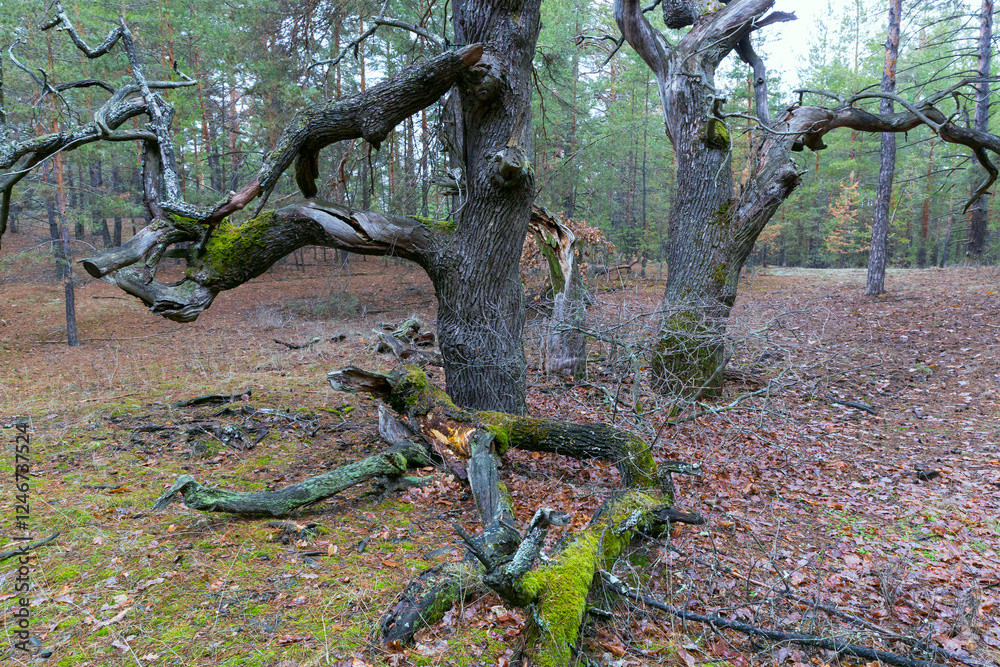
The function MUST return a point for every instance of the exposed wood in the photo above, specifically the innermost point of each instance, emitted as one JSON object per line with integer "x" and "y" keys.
{"x": 565, "y": 340}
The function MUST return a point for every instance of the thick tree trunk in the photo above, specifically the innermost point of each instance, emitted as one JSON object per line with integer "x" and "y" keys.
{"x": 477, "y": 280}
{"x": 704, "y": 266}
{"x": 880, "y": 227}
{"x": 980, "y": 208}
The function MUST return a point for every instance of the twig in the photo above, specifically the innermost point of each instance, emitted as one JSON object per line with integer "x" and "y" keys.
{"x": 829, "y": 644}
{"x": 28, "y": 547}
{"x": 852, "y": 404}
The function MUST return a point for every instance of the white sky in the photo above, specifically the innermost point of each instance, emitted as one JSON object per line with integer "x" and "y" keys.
{"x": 788, "y": 53}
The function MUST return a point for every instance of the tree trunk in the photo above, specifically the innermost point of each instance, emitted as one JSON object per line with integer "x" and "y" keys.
{"x": 703, "y": 266}
{"x": 980, "y": 208}
{"x": 565, "y": 340}
{"x": 116, "y": 240}
{"x": 100, "y": 221}
{"x": 880, "y": 228}
{"x": 58, "y": 250}
{"x": 925, "y": 211}
{"x": 947, "y": 232}
{"x": 477, "y": 276}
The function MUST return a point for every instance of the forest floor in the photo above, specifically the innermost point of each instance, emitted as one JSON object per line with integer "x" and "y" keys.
{"x": 803, "y": 496}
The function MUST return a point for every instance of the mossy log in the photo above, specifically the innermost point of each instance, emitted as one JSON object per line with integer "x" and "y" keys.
{"x": 393, "y": 462}
{"x": 409, "y": 392}
{"x": 498, "y": 557}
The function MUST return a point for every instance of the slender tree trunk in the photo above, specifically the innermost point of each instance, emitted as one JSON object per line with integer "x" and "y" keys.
{"x": 425, "y": 173}
{"x": 100, "y": 221}
{"x": 887, "y": 166}
{"x": 56, "y": 237}
{"x": 69, "y": 292}
{"x": 947, "y": 233}
{"x": 116, "y": 189}
{"x": 980, "y": 209}
{"x": 925, "y": 211}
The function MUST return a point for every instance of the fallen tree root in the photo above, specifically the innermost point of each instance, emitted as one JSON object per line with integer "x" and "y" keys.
{"x": 393, "y": 462}
{"x": 829, "y": 644}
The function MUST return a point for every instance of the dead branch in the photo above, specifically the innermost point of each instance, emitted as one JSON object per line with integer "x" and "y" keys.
{"x": 27, "y": 548}
{"x": 829, "y": 644}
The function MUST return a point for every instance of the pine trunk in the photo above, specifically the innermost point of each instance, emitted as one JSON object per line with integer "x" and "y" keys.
{"x": 980, "y": 208}
{"x": 887, "y": 166}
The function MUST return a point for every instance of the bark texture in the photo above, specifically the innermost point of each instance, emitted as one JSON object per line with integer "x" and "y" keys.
{"x": 477, "y": 276}
{"x": 394, "y": 462}
{"x": 980, "y": 208}
{"x": 887, "y": 166}
{"x": 233, "y": 254}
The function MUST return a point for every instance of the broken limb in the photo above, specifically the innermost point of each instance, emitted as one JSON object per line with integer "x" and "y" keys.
{"x": 234, "y": 254}
{"x": 829, "y": 644}
{"x": 393, "y": 462}
{"x": 498, "y": 557}
{"x": 436, "y": 590}
{"x": 565, "y": 340}
{"x": 409, "y": 392}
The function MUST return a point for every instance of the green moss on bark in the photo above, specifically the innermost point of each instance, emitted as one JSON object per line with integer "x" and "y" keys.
{"x": 414, "y": 393}
{"x": 717, "y": 136}
{"x": 561, "y": 586}
{"x": 230, "y": 246}
{"x": 687, "y": 359}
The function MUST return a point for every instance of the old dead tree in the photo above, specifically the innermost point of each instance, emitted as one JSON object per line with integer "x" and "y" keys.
{"x": 713, "y": 224}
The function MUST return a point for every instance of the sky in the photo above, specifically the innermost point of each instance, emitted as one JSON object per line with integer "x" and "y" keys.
{"x": 788, "y": 53}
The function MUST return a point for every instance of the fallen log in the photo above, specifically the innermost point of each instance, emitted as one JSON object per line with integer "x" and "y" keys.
{"x": 498, "y": 556}
{"x": 393, "y": 462}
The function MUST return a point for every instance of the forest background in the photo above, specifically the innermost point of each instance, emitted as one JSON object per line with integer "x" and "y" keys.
{"x": 599, "y": 152}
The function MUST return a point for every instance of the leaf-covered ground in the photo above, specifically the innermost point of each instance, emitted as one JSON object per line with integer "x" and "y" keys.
{"x": 807, "y": 499}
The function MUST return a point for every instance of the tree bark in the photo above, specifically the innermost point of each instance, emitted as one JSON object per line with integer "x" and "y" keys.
{"x": 478, "y": 284}
{"x": 393, "y": 462}
{"x": 887, "y": 166}
{"x": 925, "y": 210}
{"x": 980, "y": 208}
{"x": 565, "y": 340}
